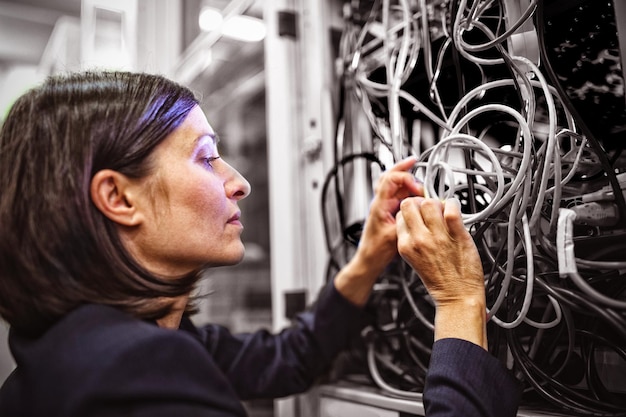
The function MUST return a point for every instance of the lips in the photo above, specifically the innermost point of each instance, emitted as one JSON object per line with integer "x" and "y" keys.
{"x": 235, "y": 218}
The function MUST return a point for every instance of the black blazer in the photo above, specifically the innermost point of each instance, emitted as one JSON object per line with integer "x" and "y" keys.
{"x": 98, "y": 361}
{"x": 464, "y": 380}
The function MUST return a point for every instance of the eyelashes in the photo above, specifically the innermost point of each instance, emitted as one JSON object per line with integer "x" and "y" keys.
{"x": 209, "y": 160}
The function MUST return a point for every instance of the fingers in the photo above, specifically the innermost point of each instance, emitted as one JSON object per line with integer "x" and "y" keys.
{"x": 433, "y": 215}
{"x": 398, "y": 183}
{"x": 423, "y": 213}
{"x": 404, "y": 165}
{"x": 410, "y": 212}
{"x": 379, "y": 235}
{"x": 453, "y": 218}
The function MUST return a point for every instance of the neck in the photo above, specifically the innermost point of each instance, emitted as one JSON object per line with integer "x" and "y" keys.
{"x": 172, "y": 320}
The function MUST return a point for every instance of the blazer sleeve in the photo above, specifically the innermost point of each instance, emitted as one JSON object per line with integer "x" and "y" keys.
{"x": 266, "y": 365}
{"x": 464, "y": 380}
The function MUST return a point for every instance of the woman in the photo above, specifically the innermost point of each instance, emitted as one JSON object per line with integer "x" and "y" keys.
{"x": 114, "y": 201}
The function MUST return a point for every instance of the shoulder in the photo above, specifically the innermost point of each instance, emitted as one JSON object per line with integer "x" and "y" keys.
{"x": 102, "y": 341}
{"x": 103, "y": 332}
{"x": 98, "y": 357}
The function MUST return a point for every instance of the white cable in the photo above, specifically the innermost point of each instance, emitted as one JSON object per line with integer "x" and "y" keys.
{"x": 550, "y": 143}
{"x": 428, "y": 58}
{"x": 558, "y": 312}
{"x": 510, "y": 31}
{"x": 510, "y": 264}
{"x": 437, "y": 163}
{"x": 565, "y": 243}
{"x": 579, "y": 152}
{"x": 418, "y": 107}
{"x": 378, "y": 379}
{"x": 530, "y": 280}
{"x": 457, "y": 38}
{"x": 567, "y": 261}
{"x": 601, "y": 264}
{"x": 416, "y": 310}
{"x": 527, "y": 148}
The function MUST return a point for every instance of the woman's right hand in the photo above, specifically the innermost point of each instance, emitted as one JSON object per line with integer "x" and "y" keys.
{"x": 434, "y": 241}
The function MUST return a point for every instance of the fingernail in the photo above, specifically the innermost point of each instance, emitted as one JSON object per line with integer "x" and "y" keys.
{"x": 454, "y": 201}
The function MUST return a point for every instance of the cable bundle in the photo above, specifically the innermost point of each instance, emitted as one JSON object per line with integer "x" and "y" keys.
{"x": 510, "y": 146}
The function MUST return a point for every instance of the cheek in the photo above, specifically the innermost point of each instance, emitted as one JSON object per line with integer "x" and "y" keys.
{"x": 205, "y": 200}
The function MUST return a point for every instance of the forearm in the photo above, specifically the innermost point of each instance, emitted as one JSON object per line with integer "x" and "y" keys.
{"x": 266, "y": 365}
{"x": 357, "y": 278}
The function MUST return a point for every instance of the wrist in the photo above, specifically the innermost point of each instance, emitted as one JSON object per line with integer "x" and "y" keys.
{"x": 356, "y": 279}
{"x": 462, "y": 319}
{"x": 374, "y": 258}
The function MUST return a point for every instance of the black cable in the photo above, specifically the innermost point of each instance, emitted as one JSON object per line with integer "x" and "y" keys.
{"x": 330, "y": 176}
{"x": 332, "y": 262}
{"x": 556, "y": 392}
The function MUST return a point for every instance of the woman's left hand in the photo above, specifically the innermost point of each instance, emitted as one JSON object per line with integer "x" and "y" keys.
{"x": 378, "y": 244}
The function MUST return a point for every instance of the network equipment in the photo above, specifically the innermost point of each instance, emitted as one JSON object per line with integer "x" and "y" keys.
{"x": 517, "y": 108}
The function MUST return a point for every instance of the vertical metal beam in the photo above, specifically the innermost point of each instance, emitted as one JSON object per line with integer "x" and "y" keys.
{"x": 159, "y": 35}
{"x": 318, "y": 129}
{"x": 299, "y": 75}
{"x": 283, "y": 121}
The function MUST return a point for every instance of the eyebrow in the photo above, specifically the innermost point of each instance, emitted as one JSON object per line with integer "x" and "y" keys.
{"x": 213, "y": 136}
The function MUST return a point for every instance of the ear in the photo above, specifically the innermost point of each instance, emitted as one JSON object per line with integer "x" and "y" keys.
{"x": 112, "y": 193}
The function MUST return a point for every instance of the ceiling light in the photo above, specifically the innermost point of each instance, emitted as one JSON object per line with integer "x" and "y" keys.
{"x": 239, "y": 27}
{"x": 210, "y": 19}
{"x": 244, "y": 28}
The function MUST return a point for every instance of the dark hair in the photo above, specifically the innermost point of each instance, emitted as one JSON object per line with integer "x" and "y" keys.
{"x": 57, "y": 250}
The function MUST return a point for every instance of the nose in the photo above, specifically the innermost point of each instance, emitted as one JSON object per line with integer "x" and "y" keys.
{"x": 236, "y": 187}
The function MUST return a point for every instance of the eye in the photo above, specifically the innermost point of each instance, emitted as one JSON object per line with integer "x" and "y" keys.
{"x": 209, "y": 160}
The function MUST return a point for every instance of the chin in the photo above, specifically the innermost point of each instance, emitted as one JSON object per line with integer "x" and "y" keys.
{"x": 241, "y": 256}
{"x": 230, "y": 259}
{"x": 235, "y": 261}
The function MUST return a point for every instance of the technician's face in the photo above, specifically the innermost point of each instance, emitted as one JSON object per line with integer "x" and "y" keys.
{"x": 194, "y": 218}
